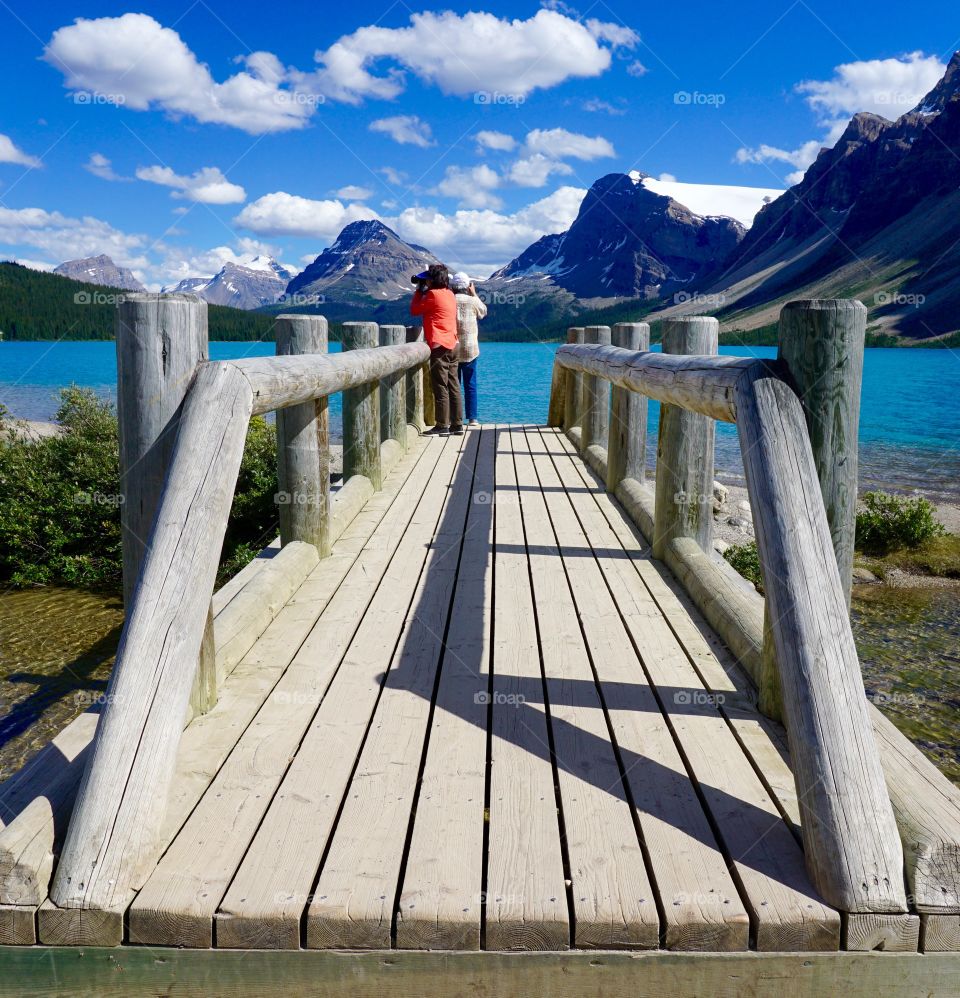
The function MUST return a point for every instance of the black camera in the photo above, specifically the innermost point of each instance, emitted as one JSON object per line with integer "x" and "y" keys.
{"x": 422, "y": 281}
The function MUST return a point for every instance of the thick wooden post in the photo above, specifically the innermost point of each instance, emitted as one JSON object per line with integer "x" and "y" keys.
{"x": 303, "y": 445}
{"x": 596, "y": 396}
{"x": 161, "y": 339}
{"x": 821, "y": 342}
{"x": 416, "y": 386}
{"x": 685, "y": 449}
{"x": 361, "y": 412}
{"x": 627, "y": 438}
{"x": 572, "y": 409}
{"x": 852, "y": 848}
{"x": 393, "y": 392}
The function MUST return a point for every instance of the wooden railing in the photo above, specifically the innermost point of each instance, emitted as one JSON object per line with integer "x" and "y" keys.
{"x": 183, "y": 424}
{"x": 853, "y": 852}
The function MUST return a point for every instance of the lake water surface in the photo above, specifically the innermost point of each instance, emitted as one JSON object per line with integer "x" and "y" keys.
{"x": 909, "y": 424}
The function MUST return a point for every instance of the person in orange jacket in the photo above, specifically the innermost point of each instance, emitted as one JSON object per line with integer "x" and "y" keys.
{"x": 436, "y": 305}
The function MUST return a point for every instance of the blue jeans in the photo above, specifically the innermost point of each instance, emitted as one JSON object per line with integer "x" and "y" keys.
{"x": 468, "y": 377}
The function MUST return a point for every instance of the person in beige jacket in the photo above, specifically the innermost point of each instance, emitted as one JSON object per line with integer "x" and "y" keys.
{"x": 470, "y": 309}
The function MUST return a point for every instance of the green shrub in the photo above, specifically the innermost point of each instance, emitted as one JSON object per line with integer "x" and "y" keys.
{"x": 60, "y": 498}
{"x": 888, "y": 523}
{"x": 745, "y": 558}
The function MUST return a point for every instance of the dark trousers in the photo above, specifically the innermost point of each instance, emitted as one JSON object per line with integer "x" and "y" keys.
{"x": 446, "y": 386}
{"x": 468, "y": 376}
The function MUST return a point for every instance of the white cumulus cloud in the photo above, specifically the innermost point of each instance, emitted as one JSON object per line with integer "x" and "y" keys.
{"x": 282, "y": 214}
{"x": 561, "y": 144}
{"x": 10, "y": 153}
{"x": 407, "y": 129}
{"x": 101, "y": 167}
{"x": 207, "y": 186}
{"x": 469, "y": 53}
{"x": 498, "y": 141}
{"x": 353, "y": 192}
{"x": 472, "y": 186}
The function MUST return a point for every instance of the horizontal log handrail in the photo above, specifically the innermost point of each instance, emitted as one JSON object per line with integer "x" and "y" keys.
{"x": 851, "y": 844}
{"x": 701, "y": 384}
{"x": 112, "y": 840}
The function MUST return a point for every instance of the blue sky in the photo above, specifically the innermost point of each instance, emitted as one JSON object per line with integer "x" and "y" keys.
{"x": 176, "y": 136}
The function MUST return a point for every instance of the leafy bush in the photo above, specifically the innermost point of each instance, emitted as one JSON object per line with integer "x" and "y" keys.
{"x": 888, "y": 523}
{"x": 60, "y": 498}
{"x": 745, "y": 558}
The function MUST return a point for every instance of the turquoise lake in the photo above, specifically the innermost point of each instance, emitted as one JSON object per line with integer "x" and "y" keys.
{"x": 909, "y": 425}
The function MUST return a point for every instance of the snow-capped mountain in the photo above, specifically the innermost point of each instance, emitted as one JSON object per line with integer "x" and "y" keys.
{"x": 100, "y": 270}
{"x": 367, "y": 263}
{"x": 251, "y": 285}
{"x": 626, "y": 242}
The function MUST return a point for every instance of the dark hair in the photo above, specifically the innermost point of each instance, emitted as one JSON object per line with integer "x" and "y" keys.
{"x": 437, "y": 275}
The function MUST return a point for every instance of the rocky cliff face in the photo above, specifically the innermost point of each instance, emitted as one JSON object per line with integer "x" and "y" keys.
{"x": 367, "y": 262}
{"x": 100, "y": 270}
{"x": 626, "y": 242}
{"x": 247, "y": 286}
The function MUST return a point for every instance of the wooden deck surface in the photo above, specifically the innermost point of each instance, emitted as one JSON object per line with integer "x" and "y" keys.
{"x": 488, "y": 721}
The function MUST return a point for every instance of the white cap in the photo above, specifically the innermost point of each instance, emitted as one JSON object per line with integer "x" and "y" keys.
{"x": 461, "y": 279}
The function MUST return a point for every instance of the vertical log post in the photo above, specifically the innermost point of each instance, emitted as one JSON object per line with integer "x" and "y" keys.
{"x": 685, "y": 449}
{"x": 393, "y": 392}
{"x": 161, "y": 340}
{"x": 416, "y": 386}
{"x": 303, "y": 445}
{"x": 821, "y": 342}
{"x": 572, "y": 409}
{"x": 596, "y": 396}
{"x": 627, "y": 438}
{"x": 361, "y": 412}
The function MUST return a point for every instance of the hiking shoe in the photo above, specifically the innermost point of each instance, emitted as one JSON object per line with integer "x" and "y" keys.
{"x": 437, "y": 431}
{"x": 474, "y": 422}
{"x": 456, "y": 431}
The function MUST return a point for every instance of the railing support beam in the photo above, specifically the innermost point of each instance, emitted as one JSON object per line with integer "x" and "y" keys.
{"x": 627, "y": 439}
{"x": 572, "y": 407}
{"x": 685, "y": 449}
{"x": 416, "y": 386}
{"x": 393, "y": 392}
{"x": 303, "y": 444}
{"x": 361, "y": 412}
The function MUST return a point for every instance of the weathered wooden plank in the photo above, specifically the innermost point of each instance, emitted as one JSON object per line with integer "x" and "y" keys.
{"x": 177, "y": 903}
{"x": 614, "y": 903}
{"x": 112, "y": 839}
{"x": 233, "y": 585}
{"x": 627, "y": 440}
{"x": 699, "y": 900}
{"x": 141, "y": 970}
{"x": 940, "y": 933}
{"x": 303, "y": 444}
{"x": 349, "y": 911}
{"x": 361, "y": 410}
{"x": 685, "y": 448}
{"x": 700, "y": 384}
{"x": 852, "y": 848}
{"x": 351, "y": 497}
{"x": 893, "y": 933}
{"x": 441, "y": 898}
{"x": 526, "y": 902}
{"x": 274, "y": 881}
{"x": 17, "y": 928}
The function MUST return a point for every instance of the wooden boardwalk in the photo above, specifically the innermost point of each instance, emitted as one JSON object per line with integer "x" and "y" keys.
{"x": 488, "y": 721}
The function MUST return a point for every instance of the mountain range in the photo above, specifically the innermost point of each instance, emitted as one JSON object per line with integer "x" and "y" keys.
{"x": 99, "y": 270}
{"x": 877, "y": 217}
